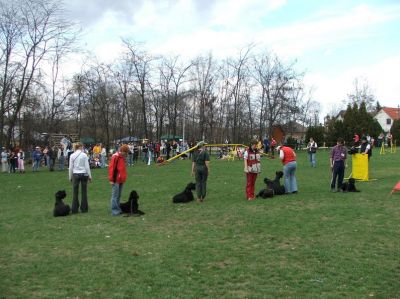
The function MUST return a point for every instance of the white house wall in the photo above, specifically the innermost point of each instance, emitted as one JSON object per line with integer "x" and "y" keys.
{"x": 381, "y": 117}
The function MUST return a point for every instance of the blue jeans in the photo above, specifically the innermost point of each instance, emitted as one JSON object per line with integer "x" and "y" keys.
{"x": 311, "y": 157}
{"x": 36, "y": 164}
{"x": 61, "y": 162}
{"x": 289, "y": 174}
{"x": 115, "y": 199}
{"x": 102, "y": 161}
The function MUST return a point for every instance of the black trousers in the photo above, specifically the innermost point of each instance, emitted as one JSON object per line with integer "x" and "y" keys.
{"x": 337, "y": 173}
{"x": 82, "y": 180}
{"x": 201, "y": 181}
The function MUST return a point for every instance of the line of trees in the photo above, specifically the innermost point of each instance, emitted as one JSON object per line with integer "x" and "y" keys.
{"x": 356, "y": 120}
{"x": 139, "y": 94}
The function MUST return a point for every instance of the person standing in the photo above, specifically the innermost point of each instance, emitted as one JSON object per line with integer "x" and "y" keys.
{"x": 266, "y": 146}
{"x": 117, "y": 176}
{"x": 272, "y": 146}
{"x": 288, "y": 158}
{"x": 61, "y": 157}
{"x": 389, "y": 138}
{"x": 103, "y": 157}
{"x": 4, "y": 160}
{"x": 252, "y": 167}
{"x": 52, "y": 156}
{"x": 312, "y": 150}
{"x": 201, "y": 170}
{"x": 337, "y": 159}
{"x": 21, "y": 161}
{"x": 365, "y": 147}
{"x": 79, "y": 174}
{"x": 37, "y": 157}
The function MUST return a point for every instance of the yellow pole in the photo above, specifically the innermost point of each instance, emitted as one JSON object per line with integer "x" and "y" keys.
{"x": 382, "y": 152}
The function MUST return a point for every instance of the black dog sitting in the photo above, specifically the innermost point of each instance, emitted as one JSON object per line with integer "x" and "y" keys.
{"x": 132, "y": 205}
{"x": 60, "y": 208}
{"x": 186, "y": 195}
{"x": 350, "y": 186}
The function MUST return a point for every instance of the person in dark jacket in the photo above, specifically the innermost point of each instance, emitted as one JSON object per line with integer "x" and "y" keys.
{"x": 201, "y": 170}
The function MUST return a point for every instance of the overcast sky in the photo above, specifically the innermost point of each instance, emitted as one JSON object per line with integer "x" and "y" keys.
{"x": 333, "y": 41}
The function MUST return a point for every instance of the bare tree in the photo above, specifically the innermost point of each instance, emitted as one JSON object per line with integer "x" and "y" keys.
{"x": 32, "y": 30}
{"x": 280, "y": 88}
{"x": 205, "y": 78}
{"x": 362, "y": 92}
{"x": 237, "y": 82}
{"x": 141, "y": 62}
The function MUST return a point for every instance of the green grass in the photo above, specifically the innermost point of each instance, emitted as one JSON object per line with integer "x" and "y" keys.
{"x": 315, "y": 244}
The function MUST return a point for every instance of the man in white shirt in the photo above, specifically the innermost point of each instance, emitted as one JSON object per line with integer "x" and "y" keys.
{"x": 79, "y": 173}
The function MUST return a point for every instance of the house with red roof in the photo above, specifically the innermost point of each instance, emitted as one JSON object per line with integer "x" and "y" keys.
{"x": 386, "y": 116}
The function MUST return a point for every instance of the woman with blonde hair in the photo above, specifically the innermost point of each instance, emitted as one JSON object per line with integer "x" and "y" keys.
{"x": 79, "y": 174}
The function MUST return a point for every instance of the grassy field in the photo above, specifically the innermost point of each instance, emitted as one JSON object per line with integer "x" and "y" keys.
{"x": 314, "y": 244}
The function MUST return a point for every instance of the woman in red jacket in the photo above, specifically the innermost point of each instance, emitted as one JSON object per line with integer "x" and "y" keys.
{"x": 117, "y": 177}
{"x": 288, "y": 157}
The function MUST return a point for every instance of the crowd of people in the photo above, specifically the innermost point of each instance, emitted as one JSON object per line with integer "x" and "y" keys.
{"x": 57, "y": 157}
{"x": 80, "y": 159}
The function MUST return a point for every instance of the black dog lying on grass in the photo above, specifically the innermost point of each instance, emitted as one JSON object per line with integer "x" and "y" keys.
{"x": 132, "y": 205}
{"x": 275, "y": 184}
{"x": 265, "y": 193}
{"x": 60, "y": 208}
{"x": 350, "y": 186}
{"x": 186, "y": 195}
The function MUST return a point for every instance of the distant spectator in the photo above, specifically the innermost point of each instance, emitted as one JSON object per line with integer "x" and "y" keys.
{"x": 356, "y": 139}
{"x": 365, "y": 147}
{"x": 61, "y": 153}
{"x": 21, "y": 161}
{"x": 312, "y": 150}
{"x": 389, "y": 138}
{"x": 266, "y": 145}
{"x": 273, "y": 144}
{"x": 36, "y": 158}
{"x": 4, "y": 160}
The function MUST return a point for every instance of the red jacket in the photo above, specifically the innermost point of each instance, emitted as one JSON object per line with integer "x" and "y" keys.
{"x": 288, "y": 155}
{"x": 117, "y": 169}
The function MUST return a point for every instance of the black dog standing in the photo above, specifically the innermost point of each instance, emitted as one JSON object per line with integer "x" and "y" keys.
{"x": 60, "y": 209}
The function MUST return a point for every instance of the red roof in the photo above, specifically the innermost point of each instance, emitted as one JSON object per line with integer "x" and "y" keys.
{"x": 394, "y": 113}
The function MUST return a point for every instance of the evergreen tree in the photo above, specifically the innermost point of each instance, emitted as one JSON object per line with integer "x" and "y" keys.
{"x": 317, "y": 133}
{"x": 395, "y": 130}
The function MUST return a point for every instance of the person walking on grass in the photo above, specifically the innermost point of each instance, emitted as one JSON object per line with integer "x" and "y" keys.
{"x": 117, "y": 176}
{"x": 201, "y": 170}
{"x": 288, "y": 158}
{"x": 312, "y": 150}
{"x": 252, "y": 168}
{"x": 337, "y": 160}
{"x": 79, "y": 174}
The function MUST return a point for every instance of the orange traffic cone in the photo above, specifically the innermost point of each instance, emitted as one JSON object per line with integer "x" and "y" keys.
{"x": 396, "y": 188}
